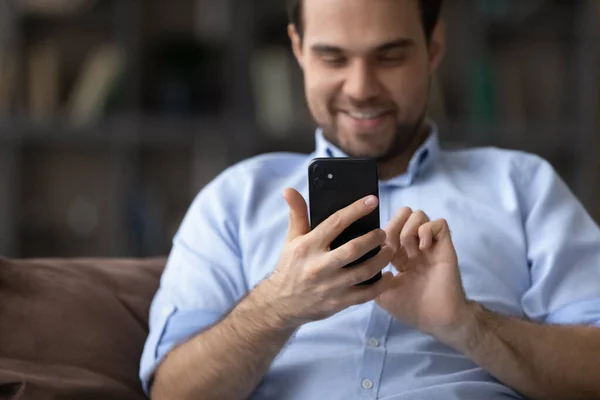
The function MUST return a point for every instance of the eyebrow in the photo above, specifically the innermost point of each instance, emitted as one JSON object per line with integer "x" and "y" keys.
{"x": 391, "y": 45}
{"x": 326, "y": 49}
{"x": 396, "y": 44}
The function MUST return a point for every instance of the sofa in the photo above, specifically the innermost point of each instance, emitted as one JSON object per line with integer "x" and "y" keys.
{"x": 74, "y": 329}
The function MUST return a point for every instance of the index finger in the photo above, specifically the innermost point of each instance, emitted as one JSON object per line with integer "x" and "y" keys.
{"x": 333, "y": 226}
{"x": 395, "y": 226}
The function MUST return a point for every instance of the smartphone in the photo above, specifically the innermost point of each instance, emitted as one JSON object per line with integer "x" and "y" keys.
{"x": 335, "y": 183}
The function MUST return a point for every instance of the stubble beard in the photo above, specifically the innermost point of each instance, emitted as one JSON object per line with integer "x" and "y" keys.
{"x": 403, "y": 139}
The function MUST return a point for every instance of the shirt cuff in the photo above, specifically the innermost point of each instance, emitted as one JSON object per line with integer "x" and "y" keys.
{"x": 581, "y": 313}
{"x": 172, "y": 328}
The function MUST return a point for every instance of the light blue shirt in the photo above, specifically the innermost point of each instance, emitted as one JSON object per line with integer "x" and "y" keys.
{"x": 525, "y": 245}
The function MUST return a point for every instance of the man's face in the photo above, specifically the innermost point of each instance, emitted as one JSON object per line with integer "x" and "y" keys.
{"x": 367, "y": 68}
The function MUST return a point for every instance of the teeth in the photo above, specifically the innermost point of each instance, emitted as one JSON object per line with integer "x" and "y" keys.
{"x": 365, "y": 116}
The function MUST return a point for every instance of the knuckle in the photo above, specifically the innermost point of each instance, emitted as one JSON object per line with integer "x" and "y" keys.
{"x": 405, "y": 210}
{"x": 320, "y": 292}
{"x": 339, "y": 259}
{"x": 352, "y": 251}
{"x": 312, "y": 273}
{"x": 340, "y": 256}
{"x": 335, "y": 221}
{"x": 421, "y": 214}
{"x": 300, "y": 249}
{"x": 406, "y": 236}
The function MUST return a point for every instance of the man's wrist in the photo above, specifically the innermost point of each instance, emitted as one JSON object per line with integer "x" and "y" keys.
{"x": 471, "y": 331}
{"x": 263, "y": 309}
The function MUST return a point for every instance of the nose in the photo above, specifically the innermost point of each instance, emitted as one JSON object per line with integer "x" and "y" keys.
{"x": 361, "y": 82}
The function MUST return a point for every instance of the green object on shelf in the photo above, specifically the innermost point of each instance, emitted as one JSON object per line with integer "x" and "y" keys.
{"x": 494, "y": 8}
{"x": 482, "y": 93}
{"x": 509, "y": 11}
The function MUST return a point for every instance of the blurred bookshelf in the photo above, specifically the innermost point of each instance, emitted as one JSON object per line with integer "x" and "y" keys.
{"x": 115, "y": 113}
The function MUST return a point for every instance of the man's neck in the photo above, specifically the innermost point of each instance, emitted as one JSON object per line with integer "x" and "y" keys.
{"x": 399, "y": 164}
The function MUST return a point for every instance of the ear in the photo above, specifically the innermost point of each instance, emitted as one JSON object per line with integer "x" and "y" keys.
{"x": 437, "y": 47}
{"x": 296, "y": 44}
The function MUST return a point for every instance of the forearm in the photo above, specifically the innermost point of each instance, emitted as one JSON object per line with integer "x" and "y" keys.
{"x": 226, "y": 361}
{"x": 540, "y": 361}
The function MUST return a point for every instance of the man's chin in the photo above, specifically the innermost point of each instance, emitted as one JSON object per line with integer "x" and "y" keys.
{"x": 368, "y": 145}
{"x": 366, "y": 150}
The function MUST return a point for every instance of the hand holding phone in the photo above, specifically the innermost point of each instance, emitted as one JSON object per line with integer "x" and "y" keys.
{"x": 310, "y": 282}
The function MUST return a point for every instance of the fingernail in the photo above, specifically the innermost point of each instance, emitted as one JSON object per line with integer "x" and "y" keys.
{"x": 371, "y": 201}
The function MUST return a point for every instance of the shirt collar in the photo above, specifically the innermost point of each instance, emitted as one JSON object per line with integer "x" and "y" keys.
{"x": 425, "y": 155}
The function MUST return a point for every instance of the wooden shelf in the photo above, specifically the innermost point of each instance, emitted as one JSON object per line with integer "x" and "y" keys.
{"x": 114, "y": 131}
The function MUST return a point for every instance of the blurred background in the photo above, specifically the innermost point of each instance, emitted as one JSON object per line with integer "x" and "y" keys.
{"x": 115, "y": 113}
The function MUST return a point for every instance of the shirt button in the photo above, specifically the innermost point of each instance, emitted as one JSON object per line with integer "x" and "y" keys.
{"x": 367, "y": 384}
{"x": 373, "y": 342}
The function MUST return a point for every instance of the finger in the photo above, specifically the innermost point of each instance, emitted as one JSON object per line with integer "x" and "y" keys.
{"x": 400, "y": 260}
{"x": 298, "y": 224}
{"x": 409, "y": 237}
{"x": 363, "y": 294}
{"x": 433, "y": 231}
{"x": 426, "y": 236}
{"x": 333, "y": 226}
{"x": 355, "y": 275}
{"x": 355, "y": 249}
{"x": 395, "y": 226}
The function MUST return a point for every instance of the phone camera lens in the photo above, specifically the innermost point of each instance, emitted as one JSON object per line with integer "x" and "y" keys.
{"x": 319, "y": 183}
{"x": 317, "y": 170}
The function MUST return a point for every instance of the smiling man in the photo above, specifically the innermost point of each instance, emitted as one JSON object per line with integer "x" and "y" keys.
{"x": 253, "y": 304}
{"x": 367, "y": 69}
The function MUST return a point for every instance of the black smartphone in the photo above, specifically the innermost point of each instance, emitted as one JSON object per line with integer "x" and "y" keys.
{"x": 335, "y": 183}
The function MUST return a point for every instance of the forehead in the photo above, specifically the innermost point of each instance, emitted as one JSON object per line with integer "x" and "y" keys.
{"x": 356, "y": 23}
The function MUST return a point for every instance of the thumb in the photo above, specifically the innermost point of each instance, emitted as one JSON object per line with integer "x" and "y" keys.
{"x": 298, "y": 214}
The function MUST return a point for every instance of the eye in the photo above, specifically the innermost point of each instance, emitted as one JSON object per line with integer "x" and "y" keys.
{"x": 334, "y": 60}
{"x": 392, "y": 58}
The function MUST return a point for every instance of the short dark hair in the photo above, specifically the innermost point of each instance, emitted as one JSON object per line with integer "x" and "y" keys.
{"x": 430, "y": 14}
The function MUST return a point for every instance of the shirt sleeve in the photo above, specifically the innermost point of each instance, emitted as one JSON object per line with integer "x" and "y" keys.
{"x": 203, "y": 278}
{"x": 563, "y": 245}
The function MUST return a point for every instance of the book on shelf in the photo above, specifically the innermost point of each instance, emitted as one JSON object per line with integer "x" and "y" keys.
{"x": 7, "y": 82}
{"x": 97, "y": 80}
{"x": 54, "y": 7}
{"x": 43, "y": 80}
{"x": 272, "y": 87}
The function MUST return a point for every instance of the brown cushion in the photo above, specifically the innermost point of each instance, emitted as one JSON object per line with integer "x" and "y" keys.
{"x": 74, "y": 329}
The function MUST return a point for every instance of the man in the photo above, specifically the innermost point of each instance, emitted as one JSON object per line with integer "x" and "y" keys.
{"x": 502, "y": 308}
